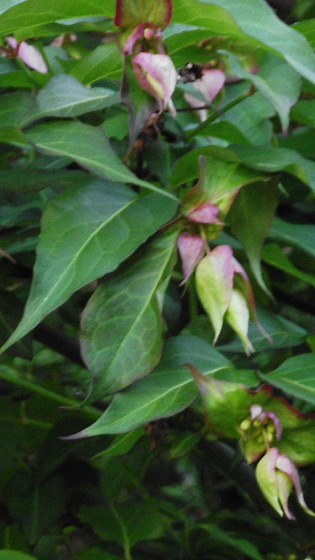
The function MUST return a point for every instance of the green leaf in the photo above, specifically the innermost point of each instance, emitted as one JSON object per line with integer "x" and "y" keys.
{"x": 15, "y": 555}
{"x": 244, "y": 546}
{"x": 277, "y": 159}
{"x": 18, "y": 108}
{"x": 12, "y": 135}
{"x": 122, "y": 444}
{"x": 89, "y": 147}
{"x": 284, "y": 334}
{"x": 273, "y": 254}
{"x": 169, "y": 389}
{"x": 220, "y": 177}
{"x": 64, "y": 96}
{"x": 261, "y": 158}
{"x": 251, "y": 218}
{"x": 121, "y": 338}
{"x": 276, "y": 81}
{"x": 103, "y": 62}
{"x": 7, "y": 4}
{"x": 254, "y": 23}
{"x": 298, "y": 235}
{"x": 304, "y": 112}
{"x": 251, "y": 119}
{"x": 34, "y": 12}
{"x": 296, "y": 377}
{"x": 126, "y": 524}
{"x": 86, "y": 232}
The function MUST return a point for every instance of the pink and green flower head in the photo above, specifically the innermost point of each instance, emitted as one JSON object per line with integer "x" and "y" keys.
{"x": 225, "y": 292}
{"x": 157, "y": 75}
{"x": 277, "y": 476}
{"x": 259, "y": 431}
{"x": 141, "y": 23}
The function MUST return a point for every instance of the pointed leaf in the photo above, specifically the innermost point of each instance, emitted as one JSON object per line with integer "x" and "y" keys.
{"x": 34, "y": 12}
{"x": 168, "y": 389}
{"x": 261, "y": 158}
{"x": 103, "y": 62}
{"x": 88, "y": 146}
{"x": 276, "y": 81}
{"x": 64, "y": 96}
{"x": 220, "y": 171}
{"x": 284, "y": 334}
{"x": 251, "y": 218}
{"x": 274, "y": 255}
{"x": 86, "y": 232}
{"x": 301, "y": 236}
{"x": 121, "y": 337}
{"x": 296, "y": 377}
{"x": 254, "y": 23}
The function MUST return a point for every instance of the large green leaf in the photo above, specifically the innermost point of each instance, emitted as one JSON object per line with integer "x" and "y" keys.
{"x": 220, "y": 176}
{"x": 88, "y": 146}
{"x": 277, "y": 159}
{"x": 86, "y": 232}
{"x": 273, "y": 254}
{"x": 168, "y": 389}
{"x": 103, "y": 62}
{"x": 276, "y": 81}
{"x": 126, "y": 524}
{"x": 304, "y": 112}
{"x": 296, "y": 377}
{"x": 64, "y": 96}
{"x": 35, "y": 12}
{"x": 299, "y": 235}
{"x": 255, "y": 22}
{"x": 7, "y": 4}
{"x": 15, "y": 555}
{"x": 283, "y": 334}
{"x": 122, "y": 323}
{"x": 18, "y": 108}
{"x": 261, "y": 158}
{"x": 251, "y": 217}
{"x": 251, "y": 117}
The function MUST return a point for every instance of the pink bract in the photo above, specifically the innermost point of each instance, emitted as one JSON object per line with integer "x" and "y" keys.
{"x": 157, "y": 75}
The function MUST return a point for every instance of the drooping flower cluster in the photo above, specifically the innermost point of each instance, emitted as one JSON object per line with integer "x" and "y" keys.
{"x": 221, "y": 282}
{"x": 269, "y": 430}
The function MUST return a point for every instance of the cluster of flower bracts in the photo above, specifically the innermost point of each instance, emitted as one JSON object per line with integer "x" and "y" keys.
{"x": 269, "y": 430}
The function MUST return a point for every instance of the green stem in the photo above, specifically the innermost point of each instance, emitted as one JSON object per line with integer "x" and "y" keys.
{"x": 193, "y": 304}
{"x": 127, "y": 548}
{"x": 191, "y": 133}
{"x": 11, "y": 376}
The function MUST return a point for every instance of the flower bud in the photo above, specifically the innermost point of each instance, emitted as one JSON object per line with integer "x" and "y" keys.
{"x": 191, "y": 249}
{"x": 277, "y": 476}
{"x": 157, "y": 75}
{"x": 30, "y": 55}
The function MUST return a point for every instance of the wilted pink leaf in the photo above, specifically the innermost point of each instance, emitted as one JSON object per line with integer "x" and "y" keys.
{"x": 209, "y": 86}
{"x": 156, "y": 74}
{"x": 191, "y": 248}
{"x": 30, "y": 55}
{"x": 205, "y": 214}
